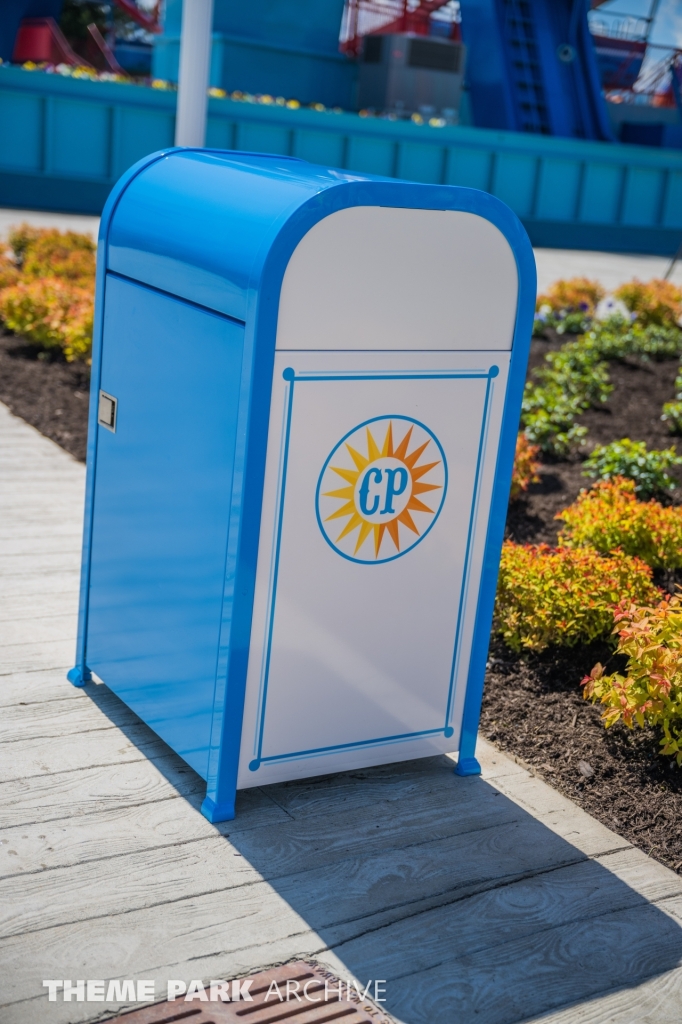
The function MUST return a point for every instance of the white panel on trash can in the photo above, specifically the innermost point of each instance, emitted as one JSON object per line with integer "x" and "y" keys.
{"x": 373, "y": 277}
{"x": 354, "y": 650}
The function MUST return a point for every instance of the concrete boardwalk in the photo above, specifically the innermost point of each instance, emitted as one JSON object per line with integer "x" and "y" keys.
{"x": 491, "y": 899}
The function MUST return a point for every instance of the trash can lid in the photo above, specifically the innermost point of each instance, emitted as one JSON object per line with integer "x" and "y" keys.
{"x": 203, "y": 225}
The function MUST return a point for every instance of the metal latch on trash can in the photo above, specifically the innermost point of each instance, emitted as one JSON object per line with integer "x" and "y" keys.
{"x": 106, "y": 412}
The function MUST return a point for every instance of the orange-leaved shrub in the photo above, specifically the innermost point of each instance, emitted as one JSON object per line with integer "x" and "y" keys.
{"x": 654, "y": 302}
{"x": 51, "y": 253}
{"x": 609, "y": 516}
{"x": 9, "y": 273}
{"x": 564, "y": 595}
{"x": 21, "y": 237}
{"x": 576, "y": 293}
{"x": 46, "y": 289}
{"x": 52, "y": 313}
{"x": 650, "y": 693}
{"x": 526, "y": 467}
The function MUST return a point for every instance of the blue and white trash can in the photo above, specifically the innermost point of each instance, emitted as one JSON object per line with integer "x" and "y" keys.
{"x": 306, "y": 392}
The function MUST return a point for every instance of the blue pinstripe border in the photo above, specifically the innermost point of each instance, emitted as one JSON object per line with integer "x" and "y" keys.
{"x": 446, "y": 730}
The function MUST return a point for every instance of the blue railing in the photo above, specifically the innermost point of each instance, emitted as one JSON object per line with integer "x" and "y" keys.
{"x": 65, "y": 141}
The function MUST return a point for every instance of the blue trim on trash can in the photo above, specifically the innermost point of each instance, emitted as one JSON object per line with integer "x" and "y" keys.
{"x": 333, "y": 191}
{"x": 523, "y": 330}
{"x": 224, "y": 754}
{"x": 289, "y": 374}
{"x": 79, "y": 675}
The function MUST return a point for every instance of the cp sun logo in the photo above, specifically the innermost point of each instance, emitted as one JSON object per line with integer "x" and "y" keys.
{"x": 391, "y": 496}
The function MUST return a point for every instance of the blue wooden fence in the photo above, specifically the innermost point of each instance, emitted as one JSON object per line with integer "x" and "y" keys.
{"x": 65, "y": 141}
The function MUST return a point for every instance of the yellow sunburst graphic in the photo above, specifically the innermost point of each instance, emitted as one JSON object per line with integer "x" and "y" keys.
{"x": 385, "y": 492}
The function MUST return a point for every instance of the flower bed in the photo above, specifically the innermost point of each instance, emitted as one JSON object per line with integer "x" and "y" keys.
{"x": 558, "y": 604}
{"x": 237, "y": 96}
{"x": 47, "y": 283}
{"x": 598, "y": 403}
{"x": 46, "y": 308}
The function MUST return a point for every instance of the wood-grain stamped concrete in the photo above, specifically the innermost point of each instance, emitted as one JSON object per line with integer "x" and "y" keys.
{"x": 491, "y": 899}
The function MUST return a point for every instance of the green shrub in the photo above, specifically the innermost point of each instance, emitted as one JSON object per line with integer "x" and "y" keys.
{"x": 574, "y": 323}
{"x": 576, "y": 376}
{"x": 572, "y": 379}
{"x": 540, "y": 325}
{"x": 616, "y": 338}
{"x": 658, "y": 342}
{"x": 564, "y": 323}
{"x": 609, "y": 517}
{"x": 564, "y": 595}
{"x": 548, "y": 418}
{"x": 579, "y": 370}
{"x": 672, "y": 414}
{"x": 651, "y": 691}
{"x": 672, "y": 411}
{"x": 632, "y": 459}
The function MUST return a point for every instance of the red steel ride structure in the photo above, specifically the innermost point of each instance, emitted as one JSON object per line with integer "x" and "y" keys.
{"x": 381, "y": 17}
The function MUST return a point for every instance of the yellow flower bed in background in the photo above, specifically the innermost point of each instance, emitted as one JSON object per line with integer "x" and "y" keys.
{"x": 572, "y": 294}
{"x": 47, "y": 282}
{"x": 52, "y": 313}
{"x": 654, "y": 302}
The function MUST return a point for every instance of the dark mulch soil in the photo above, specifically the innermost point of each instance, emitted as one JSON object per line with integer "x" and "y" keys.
{"x": 533, "y": 706}
{"x": 633, "y": 410}
{"x": 50, "y": 394}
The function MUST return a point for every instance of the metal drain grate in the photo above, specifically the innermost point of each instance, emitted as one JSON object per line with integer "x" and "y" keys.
{"x": 291, "y": 1011}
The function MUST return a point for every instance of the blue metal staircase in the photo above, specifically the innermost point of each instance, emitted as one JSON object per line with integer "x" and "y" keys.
{"x": 532, "y": 67}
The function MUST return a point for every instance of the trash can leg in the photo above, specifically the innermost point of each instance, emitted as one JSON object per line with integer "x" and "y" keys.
{"x": 466, "y": 760}
{"x": 79, "y": 675}
{"x": 467, "y": 766}
{"x": 221, "y": 781}
{"x": 223, "y": 811}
